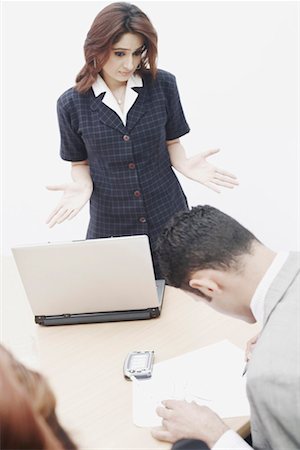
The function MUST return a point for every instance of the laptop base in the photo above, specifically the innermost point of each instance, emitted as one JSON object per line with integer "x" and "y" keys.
{"x": 114, "y": 316}
{"x": 109, "y": 316}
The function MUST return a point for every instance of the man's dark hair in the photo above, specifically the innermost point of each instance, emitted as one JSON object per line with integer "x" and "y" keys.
{"x": 202, "y": 238}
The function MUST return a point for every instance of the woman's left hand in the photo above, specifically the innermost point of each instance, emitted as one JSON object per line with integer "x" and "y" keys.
{"x": 197, "y": 168}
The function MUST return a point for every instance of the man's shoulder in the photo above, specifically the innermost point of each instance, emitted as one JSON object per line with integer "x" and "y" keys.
{"x": 289, "y": 274}
{"x": 294, "y": 259}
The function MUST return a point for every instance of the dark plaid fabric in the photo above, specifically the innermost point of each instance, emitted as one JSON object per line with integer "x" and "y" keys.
{"x": 135, "y": 188}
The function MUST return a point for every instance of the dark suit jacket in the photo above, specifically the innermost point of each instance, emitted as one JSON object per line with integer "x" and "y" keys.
{"x": 135, "y": 189}
{"x": 190, "y": 444}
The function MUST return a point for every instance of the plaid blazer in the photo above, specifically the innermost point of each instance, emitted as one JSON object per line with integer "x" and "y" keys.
{"x": 135, "y": 189}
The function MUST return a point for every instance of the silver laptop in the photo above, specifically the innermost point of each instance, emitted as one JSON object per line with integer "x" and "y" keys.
{"x": 96, "y": 280}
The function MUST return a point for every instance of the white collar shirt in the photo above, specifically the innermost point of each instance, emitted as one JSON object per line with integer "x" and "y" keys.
{"x": 257, "y": 304}
{"x": 99, "y": 86}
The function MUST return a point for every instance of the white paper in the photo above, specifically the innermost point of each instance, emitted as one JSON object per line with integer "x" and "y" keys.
{"x": 210, "y": 376}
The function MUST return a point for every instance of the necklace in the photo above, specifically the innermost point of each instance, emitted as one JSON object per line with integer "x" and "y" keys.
{"x": 119, "y": 98}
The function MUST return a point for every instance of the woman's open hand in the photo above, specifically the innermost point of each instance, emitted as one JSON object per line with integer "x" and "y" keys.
{"x": 199, "y": 169}
{"x": 75, "y": 196}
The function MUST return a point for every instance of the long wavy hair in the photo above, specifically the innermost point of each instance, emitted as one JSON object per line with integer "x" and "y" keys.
{"x": 27, "y": 409}
{"x": 109, "y": 26}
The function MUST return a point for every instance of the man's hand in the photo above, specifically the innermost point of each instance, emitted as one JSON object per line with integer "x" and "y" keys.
{"x": 250, "y": 347}
{"x": 183, "y": 420}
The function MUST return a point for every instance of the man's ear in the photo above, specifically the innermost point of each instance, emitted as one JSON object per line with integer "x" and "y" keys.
{"x": 205, "y": 286}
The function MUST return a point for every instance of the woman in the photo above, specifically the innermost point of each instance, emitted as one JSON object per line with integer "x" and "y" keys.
{"x": 27, "y": 409}
{"x": 120, "y": 128}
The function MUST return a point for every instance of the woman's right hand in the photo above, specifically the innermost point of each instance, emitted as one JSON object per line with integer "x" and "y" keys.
{"x": 75, "y": 196}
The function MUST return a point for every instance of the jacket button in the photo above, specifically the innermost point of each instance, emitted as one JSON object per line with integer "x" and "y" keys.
{"x": 131, "y": 166}
{"x": 126, "y": 137}
{"x": 137, "y": 194}
{"x": 142, "y": 220}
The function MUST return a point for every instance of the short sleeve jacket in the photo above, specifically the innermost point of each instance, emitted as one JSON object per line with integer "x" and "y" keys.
{"x": 135, "y": 189}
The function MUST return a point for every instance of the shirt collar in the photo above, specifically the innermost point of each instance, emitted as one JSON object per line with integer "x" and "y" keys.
{"x": 99, "y": 86}
{"x": 257, "y": 304}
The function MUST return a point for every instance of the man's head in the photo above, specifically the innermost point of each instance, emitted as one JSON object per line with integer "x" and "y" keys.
{"x": 208, "y": 253}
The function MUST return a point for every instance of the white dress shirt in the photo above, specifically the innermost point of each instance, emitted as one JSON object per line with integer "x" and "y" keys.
{"x": 257, "y": 304}
{"x": 231, "y": 440}
{"x": 109, "y": 100}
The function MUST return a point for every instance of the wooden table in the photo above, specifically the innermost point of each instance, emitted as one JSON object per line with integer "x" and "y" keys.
{"x": 84, "y": 363}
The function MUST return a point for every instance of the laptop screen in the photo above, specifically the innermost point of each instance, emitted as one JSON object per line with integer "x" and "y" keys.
{"x": 97, "y": 275}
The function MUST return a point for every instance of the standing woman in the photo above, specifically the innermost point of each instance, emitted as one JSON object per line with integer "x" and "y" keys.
{"x": 120, "y": 128}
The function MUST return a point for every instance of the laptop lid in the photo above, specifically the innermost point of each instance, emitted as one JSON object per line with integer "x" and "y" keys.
{"x": 82, "y": 277}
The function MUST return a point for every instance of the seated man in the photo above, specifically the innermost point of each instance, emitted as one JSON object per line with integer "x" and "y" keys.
{"x": 219, "y": 262}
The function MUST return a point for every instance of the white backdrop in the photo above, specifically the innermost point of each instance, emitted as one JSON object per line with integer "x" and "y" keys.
{"x": 237, "y": 70}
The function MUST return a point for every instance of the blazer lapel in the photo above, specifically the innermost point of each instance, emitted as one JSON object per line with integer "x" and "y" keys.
{"x": 139, "y": 107}
{"x": 107, "y": 115}
{"x": 281, "y": 284}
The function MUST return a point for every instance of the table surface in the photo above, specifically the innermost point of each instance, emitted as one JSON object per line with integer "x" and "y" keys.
{"x": 84, "y": 363}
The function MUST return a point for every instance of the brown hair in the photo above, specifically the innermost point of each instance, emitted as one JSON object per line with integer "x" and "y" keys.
{"x": 27, "y": 409}
{"x": 108, "y": 27}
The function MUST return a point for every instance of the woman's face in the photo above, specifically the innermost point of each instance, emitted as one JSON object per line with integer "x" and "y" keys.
{"x": 124, "y": 58}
